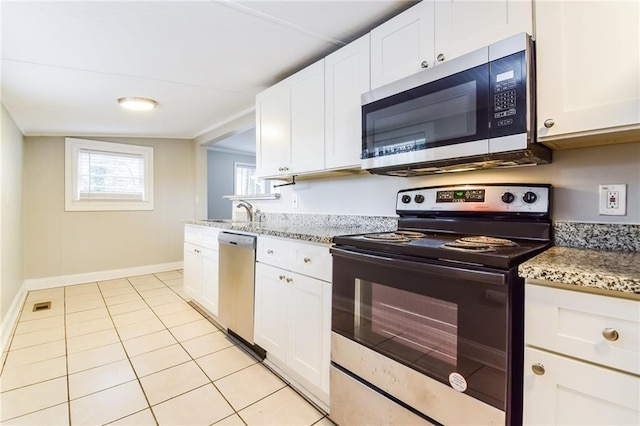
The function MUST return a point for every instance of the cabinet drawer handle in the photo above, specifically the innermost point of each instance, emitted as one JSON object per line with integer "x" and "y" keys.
{"x": 269, "y": 251}
{"x": 548, "y": 123}
{"x": 424, "y": 64}
{"x": 197, "y": 251}
{"x": 289, "y": 280}
{"x": 611, "y": 334}
{"x": 440, "y": 57}
{"x": 538, "y": 369}
{"x": 307, "y": 260}
{"x": 281, "y": 277}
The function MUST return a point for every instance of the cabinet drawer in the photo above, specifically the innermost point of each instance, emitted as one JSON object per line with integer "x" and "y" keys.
{"x": 601, "y": 329}
{"x": 275, "y": 252}
{"x": 193, "y": 234}
{"x": 311, "y": 260}
{"x": 202, "y": 236}
{"x": 304, "y": 258}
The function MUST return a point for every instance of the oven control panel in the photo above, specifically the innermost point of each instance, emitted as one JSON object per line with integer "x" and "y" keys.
{"x": 513, "y": 198}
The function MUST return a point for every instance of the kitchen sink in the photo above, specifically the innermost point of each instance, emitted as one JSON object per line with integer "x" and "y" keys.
{"x": 226, "y": 221}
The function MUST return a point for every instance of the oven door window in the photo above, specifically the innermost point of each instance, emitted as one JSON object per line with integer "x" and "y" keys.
{"x": 444, "y": 112}
{"x": 444, "y": 322}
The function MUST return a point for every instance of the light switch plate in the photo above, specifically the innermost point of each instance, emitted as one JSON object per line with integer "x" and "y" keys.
{"x": 613, "y": 199}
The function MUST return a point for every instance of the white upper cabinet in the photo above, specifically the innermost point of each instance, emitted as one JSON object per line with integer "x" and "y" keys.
{"x": 346, "y": 79}
{"x": 403, "y": 45}
{"x": 273, "y": 130}
{"x": 290, "y": 124}
{"x": 463, "y": 26}
{"x": 434, "y": 31}
{"x": 588, "y": 67}
{"x": 307, "y": 119}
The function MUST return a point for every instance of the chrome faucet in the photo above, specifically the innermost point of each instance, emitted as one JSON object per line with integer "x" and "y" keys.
{"x": 248, "y": 207}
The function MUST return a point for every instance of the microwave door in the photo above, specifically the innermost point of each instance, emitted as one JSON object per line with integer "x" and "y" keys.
{"x": 447, "y": 118}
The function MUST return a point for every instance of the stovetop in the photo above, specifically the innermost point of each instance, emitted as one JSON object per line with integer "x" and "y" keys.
{"x": 519, "y": 213}
{"x": 431, "y": 246}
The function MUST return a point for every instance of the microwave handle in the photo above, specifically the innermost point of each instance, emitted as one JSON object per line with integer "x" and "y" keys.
{"x": 485, "y": 277}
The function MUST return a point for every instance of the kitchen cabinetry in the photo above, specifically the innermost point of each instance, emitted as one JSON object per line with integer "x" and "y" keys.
{"x": 290, "y": 124}
{"x": 201, "y": 266}
{"x": 588, "y": 63}
{"x": 434, "y": 31}
{"x": 346, "y": 79}
{"x": 582, "y": 358}
{"x": 293, "y": 311}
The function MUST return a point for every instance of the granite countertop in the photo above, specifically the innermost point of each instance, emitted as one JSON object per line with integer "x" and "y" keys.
{"x": 616, "y": 272}
{"x": 304, "y": 231}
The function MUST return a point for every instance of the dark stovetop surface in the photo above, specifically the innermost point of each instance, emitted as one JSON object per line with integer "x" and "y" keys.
{"x": 430, "y": 247}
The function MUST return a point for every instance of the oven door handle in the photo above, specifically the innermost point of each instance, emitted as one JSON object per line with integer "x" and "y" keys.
{"x": 494, "y": 278}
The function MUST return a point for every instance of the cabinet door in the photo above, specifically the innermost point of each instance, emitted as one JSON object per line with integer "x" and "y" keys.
{"x": 346, "y": 79}
{"x": 271, "y": 305}
{"x": 572, "y": 392}
{"x": 309, "y": 329}
{"x": 467, "y": 25}
{"x": 209, "y": 262}
{"x": 307, "y": 119}
{"x": 192, "y": 282}
{"x": 588, "y": 63}
{"x": 401, "y": 45}
{"x": 273, "y": 131}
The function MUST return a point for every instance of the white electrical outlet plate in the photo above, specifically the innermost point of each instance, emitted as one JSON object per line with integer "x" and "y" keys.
{"x": 613, "y": 199}
{"x": 294, "y": 201}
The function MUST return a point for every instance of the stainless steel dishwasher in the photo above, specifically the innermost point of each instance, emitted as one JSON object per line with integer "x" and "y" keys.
{"x": 236, "y": 273}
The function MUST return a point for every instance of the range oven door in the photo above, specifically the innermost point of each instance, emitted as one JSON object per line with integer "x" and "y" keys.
{"x": 452, "y": 324}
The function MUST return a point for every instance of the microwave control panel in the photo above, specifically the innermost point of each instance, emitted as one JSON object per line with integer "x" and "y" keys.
{"x": 508, "y": 106}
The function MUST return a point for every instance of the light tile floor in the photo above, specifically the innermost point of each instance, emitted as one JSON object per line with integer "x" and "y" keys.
{"x": 131, "y": 351}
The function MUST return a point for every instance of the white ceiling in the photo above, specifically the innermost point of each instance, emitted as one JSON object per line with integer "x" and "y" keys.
{"x": 64, "y": 64}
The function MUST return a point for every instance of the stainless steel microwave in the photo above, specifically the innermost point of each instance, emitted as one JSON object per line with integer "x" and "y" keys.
{"x": 472, "y": 112}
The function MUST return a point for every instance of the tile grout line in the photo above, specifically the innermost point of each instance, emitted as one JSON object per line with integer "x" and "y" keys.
{"x": 66, "y": 352}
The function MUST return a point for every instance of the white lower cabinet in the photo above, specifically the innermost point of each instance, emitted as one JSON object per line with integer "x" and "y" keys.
{"x": 582, "y": 358}
{"x": 565, "y": 391}
{"x": 293, "y": 313}
{"x": 201, "y": 266}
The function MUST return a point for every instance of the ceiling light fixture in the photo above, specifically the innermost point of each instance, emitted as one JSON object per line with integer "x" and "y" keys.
{"x": 137, "y": 104}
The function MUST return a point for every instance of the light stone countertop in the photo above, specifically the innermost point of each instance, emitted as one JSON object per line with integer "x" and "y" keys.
{"x": 617, "y": 273}
{"x": 312, "y": 232}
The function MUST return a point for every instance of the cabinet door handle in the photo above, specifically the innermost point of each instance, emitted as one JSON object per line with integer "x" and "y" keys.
{"x": 611, "y": 334}
{"x": 289, "y": 280}
{"x": 197, "y": 251}
{"x": 269, "y": 251}
{"x": 548, "y": 123}
{"x": 538, "y": 369}
{"x": 424, "y": 64}
{"x": 307, "y": 260}
{"x": 281, "y": 277}
{"x": 440, "y": 57}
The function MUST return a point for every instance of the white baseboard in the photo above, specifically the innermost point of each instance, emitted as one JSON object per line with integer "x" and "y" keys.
{"x": 91, "y": 277}
{"x": 11, "y": 318}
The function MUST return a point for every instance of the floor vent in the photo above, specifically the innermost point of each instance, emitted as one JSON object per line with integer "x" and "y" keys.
{"x": 42, "y": 306}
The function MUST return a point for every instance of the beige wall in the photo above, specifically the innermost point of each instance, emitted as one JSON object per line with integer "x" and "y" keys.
{"x": 11, "y": 265}
{"x": 58, "y": 243}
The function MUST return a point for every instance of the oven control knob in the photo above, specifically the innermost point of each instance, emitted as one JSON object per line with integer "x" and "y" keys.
{"x": 508, "y": 198}
{"x": 529, "y": 197}
{"x": 406, "y": 199}
{"x": 419, "y": 198}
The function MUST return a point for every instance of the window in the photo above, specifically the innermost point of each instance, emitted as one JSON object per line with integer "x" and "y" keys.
{"x": 107, "y": 176}
{"x": 246, "y": 182}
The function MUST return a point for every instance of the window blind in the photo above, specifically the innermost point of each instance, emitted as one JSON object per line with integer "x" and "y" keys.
{"x": 110, "y": 176}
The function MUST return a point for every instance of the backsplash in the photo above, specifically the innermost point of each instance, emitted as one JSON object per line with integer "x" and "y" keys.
{"x": 597, "y": 236}
{"x": 333, "y": 221}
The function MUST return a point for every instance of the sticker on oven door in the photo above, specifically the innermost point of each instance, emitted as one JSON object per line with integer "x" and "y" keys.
{"x": 458, "y": 382}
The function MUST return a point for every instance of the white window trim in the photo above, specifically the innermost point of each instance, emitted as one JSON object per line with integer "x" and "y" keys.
{"x": 73, "y": 203}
